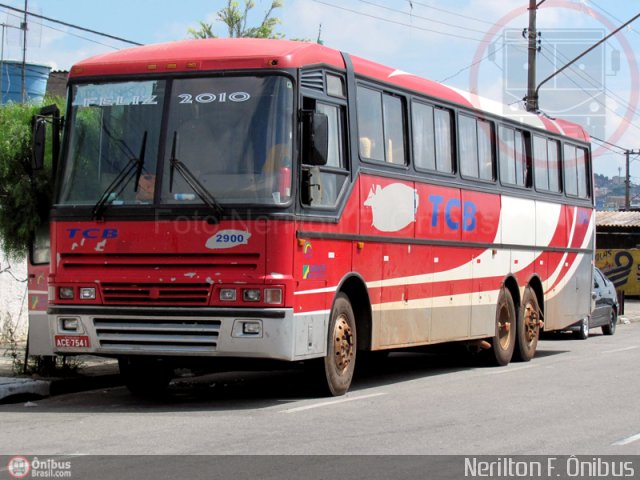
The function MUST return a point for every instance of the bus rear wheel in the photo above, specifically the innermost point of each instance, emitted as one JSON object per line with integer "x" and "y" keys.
{"x": 339, "y": 364}
{"x": 528, "y": 329}
{"x": 503, "y": 344}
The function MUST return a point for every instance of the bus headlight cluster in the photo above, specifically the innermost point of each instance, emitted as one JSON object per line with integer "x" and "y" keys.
{"x": 251, "y": 294}
{"x": 268, "y": 296}
{"x": 84, "y": 293}
{"x": 228, "y": 295}
{"x": 66, "y": 293}
{"x": 88, "y": 293}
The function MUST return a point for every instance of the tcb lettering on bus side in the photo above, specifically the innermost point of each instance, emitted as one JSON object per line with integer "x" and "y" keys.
{"x": 467, "y": 208}
{"x": 93, "y": 233}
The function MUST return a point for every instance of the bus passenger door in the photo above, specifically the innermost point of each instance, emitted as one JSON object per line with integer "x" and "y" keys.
{"x": 321, "y": 262}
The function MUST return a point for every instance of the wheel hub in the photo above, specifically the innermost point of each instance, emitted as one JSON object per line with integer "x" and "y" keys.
{"x": 343, "y": 343}
{"x": 504, "y": 327}
{"x": 531, "y": 322}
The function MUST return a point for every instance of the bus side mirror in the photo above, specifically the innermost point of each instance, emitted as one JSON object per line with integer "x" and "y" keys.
{"x": 316, "y": 127}
{"x": 39, "y": 142}
{"x": 48, "y": 114}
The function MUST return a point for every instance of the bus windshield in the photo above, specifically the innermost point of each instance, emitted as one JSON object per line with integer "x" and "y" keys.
{"x": 233, "y": 135}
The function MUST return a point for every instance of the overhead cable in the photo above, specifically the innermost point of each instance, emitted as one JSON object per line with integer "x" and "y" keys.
{"x": 66, "y": 24}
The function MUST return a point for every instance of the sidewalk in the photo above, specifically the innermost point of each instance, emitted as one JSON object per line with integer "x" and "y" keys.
{"x": 91, "y": 373}
{"x": 97, "y": 372}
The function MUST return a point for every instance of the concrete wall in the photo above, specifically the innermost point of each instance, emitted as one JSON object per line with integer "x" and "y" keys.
{"x": 13, "y": 299}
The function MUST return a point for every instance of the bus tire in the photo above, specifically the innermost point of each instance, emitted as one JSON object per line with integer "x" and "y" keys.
{"x": 528, "y": 327}
{"x": 503, "y": 344}
{"x": 145, "y": 377}
{"x": 339, "y": 364}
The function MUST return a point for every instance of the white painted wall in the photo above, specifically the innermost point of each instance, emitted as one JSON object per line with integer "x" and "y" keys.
{"x": 13, "y": 298}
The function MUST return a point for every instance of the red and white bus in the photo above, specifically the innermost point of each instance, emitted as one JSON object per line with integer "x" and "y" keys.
{"x": 269, "y": 199}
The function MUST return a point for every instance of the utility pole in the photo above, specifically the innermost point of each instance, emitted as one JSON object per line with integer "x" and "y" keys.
{"x": 24, "y": 54}
{"x": 627, "y": 178}
{"x": 531, "y": 100}
{"x": 2, "y": 65}
{"x": 532, "y": 34}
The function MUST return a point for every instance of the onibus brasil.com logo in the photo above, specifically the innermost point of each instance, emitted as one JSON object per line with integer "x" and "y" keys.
{"x": 21, "y": 467}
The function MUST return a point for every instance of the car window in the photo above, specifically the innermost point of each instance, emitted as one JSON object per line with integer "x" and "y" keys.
{"x": 598, "y": 279}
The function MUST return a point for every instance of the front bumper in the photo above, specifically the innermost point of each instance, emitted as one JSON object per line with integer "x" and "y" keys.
{"x": 185, "y": 332}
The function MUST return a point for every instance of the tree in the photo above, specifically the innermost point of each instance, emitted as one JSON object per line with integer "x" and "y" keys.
{"x": 236, "y": 18}
{"x": 25, "y": 196}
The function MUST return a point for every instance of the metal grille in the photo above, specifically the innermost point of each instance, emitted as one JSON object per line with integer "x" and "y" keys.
{"x": 246, "y": 261}
{"x": 313, "y": 79}
{"x": 156, "y": 294}
{"x": 158, "y": 335}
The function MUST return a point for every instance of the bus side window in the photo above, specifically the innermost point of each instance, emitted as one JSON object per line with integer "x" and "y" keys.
{"x": 546, "y": 164}
{"x": 514, "y": 160}
{"x": 381, "y": 126}
{"x": 324, "y": 183}
{"x": 575, "y": 171}
{"x": 432, "y": 139}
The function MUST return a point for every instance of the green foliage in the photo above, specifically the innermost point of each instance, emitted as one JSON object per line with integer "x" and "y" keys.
{"x": 235, "y": 18}
{"x": 45, "y": 366}
{"x": 25, "y": 198}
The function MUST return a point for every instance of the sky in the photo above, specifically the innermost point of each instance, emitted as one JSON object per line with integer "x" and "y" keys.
{"x": 474, "y": 45}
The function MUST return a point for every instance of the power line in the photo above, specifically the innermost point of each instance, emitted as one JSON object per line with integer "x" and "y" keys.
{"x": 48, "y": 19}
{"x": 399, "y": 23}
{"x": 610, "y": 14}
{"x": 585, "y": 76}
{"x": 420, "y": 17}
{"x": 457, "y": 14}
{"x": 66, "y": 32}
{"x": 604, "y": 105}
{"x": 472, "y": 65}
{"x": 608, "y": 143}
{"x": 596, "y": 83}
{"x": 601, "y": 143}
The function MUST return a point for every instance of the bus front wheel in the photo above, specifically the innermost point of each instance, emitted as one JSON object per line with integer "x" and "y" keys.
{"x": 339, "y": 364}
{"x": 145, "y": 377}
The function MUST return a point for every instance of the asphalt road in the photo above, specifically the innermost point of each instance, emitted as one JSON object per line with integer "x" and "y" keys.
{"x": 575, "y": 397}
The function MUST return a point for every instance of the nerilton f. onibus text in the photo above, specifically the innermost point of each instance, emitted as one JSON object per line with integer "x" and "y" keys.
{"x": 551, "y": 467}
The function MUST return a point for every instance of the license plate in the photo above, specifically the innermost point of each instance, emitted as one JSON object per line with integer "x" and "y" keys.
{"x": 72, "y": 341}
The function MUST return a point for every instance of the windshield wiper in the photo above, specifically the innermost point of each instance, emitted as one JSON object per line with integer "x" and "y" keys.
{"x": 140, "y": 163}
{"x": 192, "y": 181}
{"x": 122, "y": 179}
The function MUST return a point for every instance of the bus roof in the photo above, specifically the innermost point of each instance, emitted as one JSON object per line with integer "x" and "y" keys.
{"x": 252, "y": 53}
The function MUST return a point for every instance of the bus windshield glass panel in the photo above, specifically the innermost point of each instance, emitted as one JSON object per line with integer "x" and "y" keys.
{"x": 233, "y": 135}
{"x": 111, "y": 126}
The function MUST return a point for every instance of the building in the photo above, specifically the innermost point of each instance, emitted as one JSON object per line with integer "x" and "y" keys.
{"x": 618, "y": 249}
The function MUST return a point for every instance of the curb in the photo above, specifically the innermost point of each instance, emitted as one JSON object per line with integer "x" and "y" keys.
{"x": 21, "y": 387}
{"x": 17, "y": 389}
